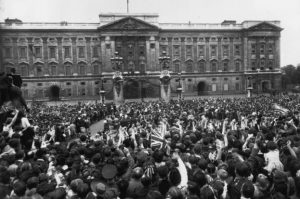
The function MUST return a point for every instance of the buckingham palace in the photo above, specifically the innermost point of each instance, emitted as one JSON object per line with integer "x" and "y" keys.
{"x": 75, "y": 60}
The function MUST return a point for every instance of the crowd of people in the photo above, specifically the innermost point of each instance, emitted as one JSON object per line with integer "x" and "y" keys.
{"x": 205, "y": 148}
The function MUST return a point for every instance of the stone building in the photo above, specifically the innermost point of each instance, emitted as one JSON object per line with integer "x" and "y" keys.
{"x": 69, "y": 60}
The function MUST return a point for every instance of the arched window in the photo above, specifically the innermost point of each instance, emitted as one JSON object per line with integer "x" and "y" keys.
{"x": 24, "y": 70}
{"x": 213, "y": 65}
{"x": 201, "y": 66}
{"x": 237, "y": 66}
{"x": 8, "y": 68}
{"x": 95, "y": 69}
{"x": 225, "y": 66}
{"x": 176, "y": 67}
{"x": 68, "y": 69}
{"x": 189, "y": 67}
{"x": 53, "y": 70}
{"x": 39, "y": 70}
{"x": 82, "y": 69}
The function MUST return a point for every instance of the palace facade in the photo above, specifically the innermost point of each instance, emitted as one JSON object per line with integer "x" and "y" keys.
{"x": 70, "y": 60}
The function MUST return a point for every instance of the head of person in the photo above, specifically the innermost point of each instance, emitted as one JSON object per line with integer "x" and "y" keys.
{"x": 175, "y": 193}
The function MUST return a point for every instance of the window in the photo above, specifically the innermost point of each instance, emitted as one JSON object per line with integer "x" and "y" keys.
{"x": 25, "y": 93}
{"x": 237, "y": 66}
{"x": 81, "y": 52}
{"x": 270, "y": 48}
{"x": 7, "y": 52}
{"x": 213, "y": 66}
{"x": 152, "y": 45}
{"x": 189, "y": 51}
{"x": 237, "y": 78}
{"x": 253, "y": 64}
{"x": 68, "y": 83}
{"x": 82, "y": 83}
{"x": 262, "y": 63}
{"x": 237, "y": 50}
{"x": 82, "y": 69}
{"x": 68, "y": 92}
{"x": 38, "y": 51}
{"x": 53, "y": 71}
{"x": 40, "y": 84}
{"x": 96, "y": 69}
{"x": 39, "y": 71}
{"x": 213, "y": 50}
{"x": 176, "y": 51}
{"x": 82, "y": 92}
{"x": 214, "y": 87}
{"x": 68, "y": 70}
{"x": 40, "y": 93}
{"x": 225, "y": 50}
{"x": 107, "y": 46}
{"x": 142, "y": 50}
{"x": 201, "y": 66}
{"x": 23, "y": 52}
{"x": 52, "y": 52}
{"x": 24, "y": 70}
{"x": 163, "y": 48}
{"x": 189, "y": 67}
{"x": 270, "y": 64}
{"x": 262, "y": 49}
{"x": 201, "y": 50}
{"x": 237, "y": 86}
{"x": 97, "y": 91}
{"x": 253, "y": 49}
{"x": 225, "y": 66}
{"x": 176, "y": 67}
{"x": 67, "y": 50}
{"x": 225, "y": 87}
{"x": 95, "y": 51}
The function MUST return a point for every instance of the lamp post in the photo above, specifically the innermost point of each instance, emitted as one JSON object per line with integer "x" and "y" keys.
{"x": 117, "y": 62}
{"x": 179, "y": 88}
{"x": 102, "y": 91}
{"x": 165, "y": 77}
{"x": 142, "y": 89}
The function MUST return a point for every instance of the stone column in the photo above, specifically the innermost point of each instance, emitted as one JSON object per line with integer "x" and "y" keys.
{"x": 244, "y": 53}
{"x": 60, "y": 57}
{"x": 277, "y": 53}
{"x": 45, "y": 52}
{"x": 207, "y": 55}
{"x": 231, "y": 66}
{"x": 89, "y": 55}
{"x": 30, "y": 59}
{"x": 74, "y": 55}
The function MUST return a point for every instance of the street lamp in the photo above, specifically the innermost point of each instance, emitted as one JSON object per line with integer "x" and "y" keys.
{"x": 179, "y": 88}
{"x": 142, "y": 89}
{"x": 102, "y": 91}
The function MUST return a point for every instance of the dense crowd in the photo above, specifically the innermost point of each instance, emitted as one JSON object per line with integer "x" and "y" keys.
{"x": 206, "y": 148}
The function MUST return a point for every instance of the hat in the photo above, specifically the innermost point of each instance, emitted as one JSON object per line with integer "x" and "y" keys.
{"x": 109, "y": 171}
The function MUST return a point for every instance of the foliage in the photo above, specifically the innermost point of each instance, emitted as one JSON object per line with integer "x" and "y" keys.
{"x": 291, "y": 75}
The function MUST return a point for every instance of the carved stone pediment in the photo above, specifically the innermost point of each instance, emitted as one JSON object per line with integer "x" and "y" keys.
{"x": 265, "y": 26}
{"x": 128, "y": 23}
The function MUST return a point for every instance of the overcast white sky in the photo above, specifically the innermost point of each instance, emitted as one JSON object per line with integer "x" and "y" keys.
{"x": 201, "y": 11}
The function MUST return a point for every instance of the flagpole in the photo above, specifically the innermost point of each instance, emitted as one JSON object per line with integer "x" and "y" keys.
{"x": 127, "y": 6}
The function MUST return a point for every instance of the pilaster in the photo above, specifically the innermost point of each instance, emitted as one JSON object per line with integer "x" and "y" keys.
{"x": 74, "y": 55}
{"x": 45, "y": 51}
{"x": 60, "y": 69}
